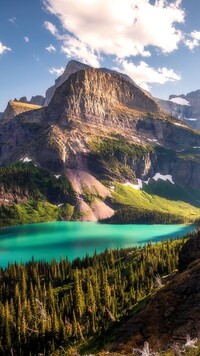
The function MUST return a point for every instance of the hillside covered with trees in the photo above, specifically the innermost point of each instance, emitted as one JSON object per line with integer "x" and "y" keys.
{"x": 45, "y": 306}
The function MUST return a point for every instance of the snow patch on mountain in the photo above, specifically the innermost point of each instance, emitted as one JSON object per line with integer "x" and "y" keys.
{"x": 137, "y": 186}
{"x": 180, "y": 101}
{"x": 156, "y": 177}
{"x": 25, "y": 159}
{"x": 163, "y": 177}
{"x": 190, "y": 119}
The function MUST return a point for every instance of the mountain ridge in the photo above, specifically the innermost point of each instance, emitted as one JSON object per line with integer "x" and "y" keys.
{"x": 187, "y": 111}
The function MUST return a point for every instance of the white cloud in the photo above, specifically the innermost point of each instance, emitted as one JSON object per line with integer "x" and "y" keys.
{"x": 12, "y": 19}
{"x": 194, "y": 40}
{"x": 196, "y": 35}
{"x": 119, "y": 28}
{"x": 51, "y": 27}
{"x": 74, "y": 48}
{"x": 143, "y": 75}
{"x": 4, "y": 49}
{"x": 26, "y": 39}
{"x": 57, "y": 71}
{"x": 51, "y": 48}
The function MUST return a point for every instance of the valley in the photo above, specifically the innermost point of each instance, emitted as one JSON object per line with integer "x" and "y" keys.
{"x": 59, "y": 240}
{"x": 92, "y": 171}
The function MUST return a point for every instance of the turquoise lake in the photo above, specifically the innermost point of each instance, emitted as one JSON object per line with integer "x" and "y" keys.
{"x": 76, "y": 239}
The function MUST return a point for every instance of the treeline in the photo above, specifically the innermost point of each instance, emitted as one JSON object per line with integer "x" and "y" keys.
{"x": 119, "y": 148}
{"x": 32, "y": 211}
{"x": 33, "y": 182}
{"x": 130, "y": 215}
{"x": 34, "y": 195}
{"x": 45, "y": 306}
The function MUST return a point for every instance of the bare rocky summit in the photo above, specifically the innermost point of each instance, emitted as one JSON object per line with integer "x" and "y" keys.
{"x": 72, "y": 67}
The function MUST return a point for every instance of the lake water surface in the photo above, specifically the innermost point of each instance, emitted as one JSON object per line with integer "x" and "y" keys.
{"x": 76, "y": 239}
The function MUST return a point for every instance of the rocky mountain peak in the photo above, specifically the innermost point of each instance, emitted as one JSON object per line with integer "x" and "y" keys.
{"x": 72, "y": 67}
{"x": 95, "y": 96}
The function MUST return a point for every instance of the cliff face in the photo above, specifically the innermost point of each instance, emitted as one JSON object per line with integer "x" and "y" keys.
{"x": 194, "y": 100}
{"x": 92, "y": 94}
{"x": 72, "y": 67}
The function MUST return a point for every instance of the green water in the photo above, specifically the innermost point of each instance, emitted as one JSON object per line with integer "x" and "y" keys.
{"x": 76, "y": 239}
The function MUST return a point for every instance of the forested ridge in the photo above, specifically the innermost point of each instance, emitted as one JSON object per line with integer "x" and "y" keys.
{"x": 45, "y": 306}
{"x": 33, "y": 182}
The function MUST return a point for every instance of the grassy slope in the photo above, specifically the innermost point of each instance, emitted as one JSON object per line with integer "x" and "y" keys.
{"x": 21, "y": 105}
{"x": 141, "y": 200}
{"x": 173, "y": 192}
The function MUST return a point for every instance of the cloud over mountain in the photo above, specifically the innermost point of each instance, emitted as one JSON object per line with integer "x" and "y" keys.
{"x": 56, "y": 71}
{"x": 93, "y": 29}
{"x": 144, "y": 74}
{"x": 119, "y": 28}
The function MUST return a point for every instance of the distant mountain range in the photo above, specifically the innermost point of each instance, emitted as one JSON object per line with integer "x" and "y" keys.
{"x": 184, "y": 107}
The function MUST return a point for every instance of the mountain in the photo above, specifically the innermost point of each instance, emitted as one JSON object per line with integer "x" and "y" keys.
{"x": 184, "y": 107}
{"x": 100, "y": 128}
{"x": 72, "y": 67}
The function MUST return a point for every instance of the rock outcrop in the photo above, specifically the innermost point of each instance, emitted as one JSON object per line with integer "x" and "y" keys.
{"x": 15, "y": 108}
{"x": 190, "y": 252}
{"x": 37, "y": 100}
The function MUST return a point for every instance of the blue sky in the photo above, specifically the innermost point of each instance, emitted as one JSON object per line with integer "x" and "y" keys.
{"x": 156, "y": 42}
